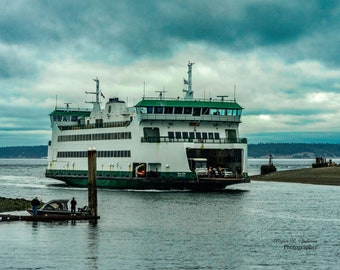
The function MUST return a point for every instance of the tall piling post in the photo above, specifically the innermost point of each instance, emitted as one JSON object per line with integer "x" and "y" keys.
{"x": 92, "y": 177}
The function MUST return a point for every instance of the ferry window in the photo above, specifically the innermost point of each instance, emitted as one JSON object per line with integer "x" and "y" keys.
{"x": 217, "y": 136}
{"x": 74, "y": 118}
{"x": 151, "y": 134}
{"x": 110, "y": 109}
{"x": 239, "y": 112}
{"x": 168, "y": 110}
{"x": 185, "y": 135}
{"x": 229, "y": 112}
{"x": 196, "y": 112}
{"x": 204, "y": 135}
{"x": 99, "y": 122}
{"x": 178, "y": 110}
{"x": 178, "y": 135}
{"x": 56, "y": 117}
{"x": 205, "y": 111}
{"x": 214, "y": 112}
{"x": 231, "y": 135}
{"x": 158, "y": 109}
{"x": 187, "y": 110}
{"x": 211, "y": 135}
{"x": 171, "y": 134}
{"x": 143, "y": 110}
{"x": 221, "y": 111}
{"x": 234, "y": 112}
{"x": 198, "y": 135}
{"x": 191, "y": 135}
{"x": 149, "y": 109}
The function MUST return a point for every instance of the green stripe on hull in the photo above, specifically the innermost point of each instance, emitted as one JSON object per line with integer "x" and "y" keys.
{"x": 122, "y": 180}
{"x": 119, "y": 179}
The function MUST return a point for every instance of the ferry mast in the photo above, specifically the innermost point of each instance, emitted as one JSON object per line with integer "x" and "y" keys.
{"x": 96, "y": 104}
{"x": 189, "y": 94}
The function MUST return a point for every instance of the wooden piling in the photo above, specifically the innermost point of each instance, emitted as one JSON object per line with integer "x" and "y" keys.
{"x": 92, "y": 177}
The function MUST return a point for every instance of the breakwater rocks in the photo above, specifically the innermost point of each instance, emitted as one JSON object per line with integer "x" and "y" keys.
{"x": 318, "y": 176}
{"x": 8, "y": 204}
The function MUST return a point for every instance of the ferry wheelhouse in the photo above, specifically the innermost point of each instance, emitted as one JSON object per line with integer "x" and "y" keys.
{"x": 160, "y": 143}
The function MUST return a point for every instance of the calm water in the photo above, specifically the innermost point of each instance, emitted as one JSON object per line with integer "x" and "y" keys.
{"x": 250, "y": 226}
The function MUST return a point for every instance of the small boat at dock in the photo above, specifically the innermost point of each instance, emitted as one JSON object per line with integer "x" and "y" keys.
{"x": 58, "y": 207}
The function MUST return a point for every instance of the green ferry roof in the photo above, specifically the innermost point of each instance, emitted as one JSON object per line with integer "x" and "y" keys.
{"x": 62, "y": 112}
{"x": 189, "y": 103}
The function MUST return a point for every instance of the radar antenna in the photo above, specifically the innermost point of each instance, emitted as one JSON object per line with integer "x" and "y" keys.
{"x": 67, "y": 105}
{"x": 161, "y": 93}
{"x": 222, "y": 97}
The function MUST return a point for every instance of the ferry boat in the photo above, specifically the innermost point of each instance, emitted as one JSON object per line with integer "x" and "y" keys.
{"x": 159, "y": 143}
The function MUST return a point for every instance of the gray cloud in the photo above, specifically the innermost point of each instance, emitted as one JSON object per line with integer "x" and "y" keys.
{"x": 154, "y": 28}
{"x": 278, "y": 50}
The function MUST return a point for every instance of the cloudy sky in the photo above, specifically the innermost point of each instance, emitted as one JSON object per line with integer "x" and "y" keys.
{"x": 280, "y": 58}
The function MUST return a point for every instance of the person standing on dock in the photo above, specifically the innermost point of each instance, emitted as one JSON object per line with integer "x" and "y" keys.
{"x": 73, "y": 206}
{"x": 35, "y": 203}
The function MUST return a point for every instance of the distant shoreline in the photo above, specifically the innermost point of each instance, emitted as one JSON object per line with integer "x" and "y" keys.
{"x": 316, "y": 176}
{"x": 256, "y": 151}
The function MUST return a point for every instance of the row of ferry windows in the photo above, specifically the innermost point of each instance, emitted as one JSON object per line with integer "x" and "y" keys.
{"x": 193, "y": 135}
{"x": 190, "y": 110}
{"x": 83, "y": 154}
{"x": 92, "y": 137}
{"x": 67, "y": 118}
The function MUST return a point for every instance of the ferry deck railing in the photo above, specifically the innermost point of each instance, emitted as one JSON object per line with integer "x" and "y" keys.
{"x": 191, "y": 140}
{"x": 188, "y": 117}
{"x": 97, "y": 125}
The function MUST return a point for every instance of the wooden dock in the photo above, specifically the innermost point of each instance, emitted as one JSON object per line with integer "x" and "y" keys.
{"x": 50, "y": 218}
{"x": 92, "y": 200}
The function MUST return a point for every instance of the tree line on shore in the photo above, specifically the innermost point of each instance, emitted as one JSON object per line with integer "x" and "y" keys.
{"x": 261, "y": 150}
{"x": 294, "y": 150}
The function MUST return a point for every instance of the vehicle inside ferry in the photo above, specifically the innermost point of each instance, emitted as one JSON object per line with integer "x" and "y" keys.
{"x": 228, "y": 159}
